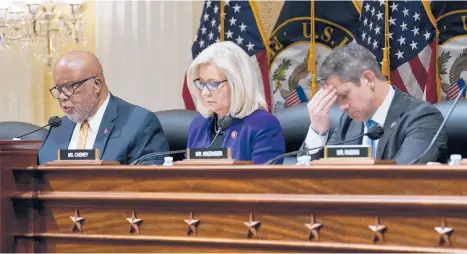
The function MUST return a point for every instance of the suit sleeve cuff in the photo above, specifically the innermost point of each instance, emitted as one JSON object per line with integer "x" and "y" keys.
{"x": 313, "y": 139}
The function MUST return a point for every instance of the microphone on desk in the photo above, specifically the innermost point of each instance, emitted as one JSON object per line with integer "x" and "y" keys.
{"x": 141, "y": 159}
{"x": 373, "y": 133}
{"x": 440, "y": 127}
{"x": 222, "y": 124}
{"x": 53, "y": 122}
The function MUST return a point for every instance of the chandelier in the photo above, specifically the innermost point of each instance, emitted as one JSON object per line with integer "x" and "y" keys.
{"x": 41, "y": 26}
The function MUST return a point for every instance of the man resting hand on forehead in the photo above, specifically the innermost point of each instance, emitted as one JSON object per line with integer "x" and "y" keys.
{"x": 351, "y": 78}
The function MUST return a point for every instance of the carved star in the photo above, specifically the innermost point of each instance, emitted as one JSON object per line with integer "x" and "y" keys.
{"x": 134, "y": 222}
{"x": 192, "y": 225}
{"x": 77, "y": 222}
{"x": 253, "y": 226}
{"x": 313, "y": 228}
{"x": 378, "y": 231}
{"x": 444, "y": 232}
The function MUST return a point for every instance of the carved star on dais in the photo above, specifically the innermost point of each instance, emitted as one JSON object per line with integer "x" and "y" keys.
{"x": 313, "y": 228}
{"x": 378, "y": 230}
{"x": 253, "y": 226}
{"x": 444, "y": 232}
{"x": 134, "y": 223}
{"x": 192, "y": 225}
{"x": 77, "y": 222}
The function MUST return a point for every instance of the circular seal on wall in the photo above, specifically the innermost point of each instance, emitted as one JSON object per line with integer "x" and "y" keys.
{"x": 289, "y": 75}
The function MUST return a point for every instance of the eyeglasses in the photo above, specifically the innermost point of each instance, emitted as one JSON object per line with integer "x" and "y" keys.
{"x": 211, "y": 85}
{"x": 68, "y": 89}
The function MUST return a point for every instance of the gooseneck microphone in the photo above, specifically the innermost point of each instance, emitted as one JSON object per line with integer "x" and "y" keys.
{"x": 373, "y": 133}
{"x": 141, "y": 159}
{"x": 53, "y": 122}
{"x": 222, "y": 124}
{"x": 440, "y": 128}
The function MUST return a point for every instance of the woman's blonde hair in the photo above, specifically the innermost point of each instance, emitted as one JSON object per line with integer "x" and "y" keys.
{"x": 242, "y": 76}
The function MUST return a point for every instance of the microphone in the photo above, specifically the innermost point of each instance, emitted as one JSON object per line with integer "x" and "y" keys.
{"x": 373, "y": 133}
{"x": 141, "y": 159}
{"x": 440, "y": 127}
{"x": 53, "y": 122}
{"x": 222, "y": 123}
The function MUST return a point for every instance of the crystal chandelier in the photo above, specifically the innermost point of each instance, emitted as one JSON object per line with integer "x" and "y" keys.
{"x": 41, "y": 26}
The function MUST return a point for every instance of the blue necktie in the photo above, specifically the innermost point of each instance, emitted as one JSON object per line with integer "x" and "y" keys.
{"x": 370, "y": 123}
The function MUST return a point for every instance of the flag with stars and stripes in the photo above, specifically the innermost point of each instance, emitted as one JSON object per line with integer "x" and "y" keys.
{"x": 452, "y": 45}
{"x": 412, "y": 44}
{"x": 242, "y": 26}
{"x": 453, "y": 90}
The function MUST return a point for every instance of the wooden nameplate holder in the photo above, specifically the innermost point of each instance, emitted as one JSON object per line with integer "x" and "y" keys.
{"x": 210, "y": 156}
{"x": 349, "y": 155}
{"x": 80, "y": 162}
{"x": 353, "y": 161}
{"x": 212, "y": 162}
{"x": 79, "y": 157}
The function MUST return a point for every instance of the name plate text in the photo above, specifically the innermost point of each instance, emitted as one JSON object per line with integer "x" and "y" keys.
{"x": 71, "y": 154}
{"x": 209, "y": 153}
{"x": 347, "y": 151}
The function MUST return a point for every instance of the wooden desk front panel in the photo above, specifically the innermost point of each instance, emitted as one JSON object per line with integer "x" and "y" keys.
{"x": 365, "y": 179}
{"x": 410, "y": 201}
{"x": 410, "y": 221}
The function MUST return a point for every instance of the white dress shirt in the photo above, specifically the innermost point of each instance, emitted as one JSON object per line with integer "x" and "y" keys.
{"x": 94, "y": 124}
{"x": 313, "y": 139}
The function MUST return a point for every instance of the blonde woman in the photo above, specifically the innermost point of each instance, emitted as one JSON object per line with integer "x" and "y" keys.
{"x": 224, "y": 84}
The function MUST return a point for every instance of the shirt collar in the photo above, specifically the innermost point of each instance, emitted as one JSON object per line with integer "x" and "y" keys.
{"x": 95, "y": 120}
{"x": 381, "y": 113}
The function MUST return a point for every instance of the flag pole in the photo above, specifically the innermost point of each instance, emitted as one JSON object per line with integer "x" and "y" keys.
{"x": 221, "y": 36}
{"x": 311, "y": 57}
{"x": 386, "y": 66}
{"x": 438, "y": 79}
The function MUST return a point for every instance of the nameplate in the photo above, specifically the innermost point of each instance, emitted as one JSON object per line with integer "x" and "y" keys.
{"x": 208, "y": 153}
{"x": 347, "y": 151}
{"x": 72, "y": 154}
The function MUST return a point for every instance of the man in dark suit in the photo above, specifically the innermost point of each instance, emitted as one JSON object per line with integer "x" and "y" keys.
{"x": 351, "y": 77}
{"x": 95, "y": 119}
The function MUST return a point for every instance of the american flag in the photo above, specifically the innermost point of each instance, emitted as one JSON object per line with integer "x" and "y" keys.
{"x": 412, "y": 44}
{"x": 295, "y": 97}
{"x": 454, "y": 89}
{"x": 241, "y": 27}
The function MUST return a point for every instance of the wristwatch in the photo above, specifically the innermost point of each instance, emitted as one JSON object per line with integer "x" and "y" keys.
{"x": 322, "y": 134}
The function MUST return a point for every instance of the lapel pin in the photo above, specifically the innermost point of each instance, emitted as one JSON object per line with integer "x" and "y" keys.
{"x": 106, "y": 131}
{"x": 233, "y": 134}
{"x": 393, "y": 124}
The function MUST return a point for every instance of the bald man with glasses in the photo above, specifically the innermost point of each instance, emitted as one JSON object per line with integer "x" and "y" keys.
{"x": 96, "y": 119}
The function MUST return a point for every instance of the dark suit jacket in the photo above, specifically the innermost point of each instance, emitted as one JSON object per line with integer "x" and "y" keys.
{"x": 408, "y": 130}
{"x": 257, "y": 137}
{"x": 126, "y": 133}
